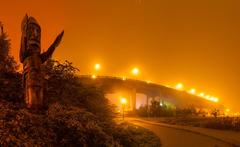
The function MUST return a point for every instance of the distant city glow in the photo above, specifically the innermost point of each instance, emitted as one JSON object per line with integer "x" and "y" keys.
{"x": 179, "y": 86}
{"x": 135, "y": 71}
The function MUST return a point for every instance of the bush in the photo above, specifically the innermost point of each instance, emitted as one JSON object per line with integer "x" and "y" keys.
{"x": 65, "y": 87}
{"x": 11, "y": 87}
{"x": 63, "y": 126}
{"x": 224, "y": 123}
{"x": 155, "y": 110}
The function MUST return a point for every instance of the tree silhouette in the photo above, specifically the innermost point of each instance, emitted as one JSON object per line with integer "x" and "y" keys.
{"x": 7, "y": 62}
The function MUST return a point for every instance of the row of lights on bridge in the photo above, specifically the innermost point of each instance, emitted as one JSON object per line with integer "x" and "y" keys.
{"x": 97, "y": 67}
{"x": 192, "y": 91}
{"x": 135, "y": 71}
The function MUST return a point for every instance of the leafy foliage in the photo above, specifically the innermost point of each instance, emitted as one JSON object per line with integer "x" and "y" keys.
{"x": 63, "y": 126}
{"x": 223, "y": 123}
{"x": 11, "y": 87}
{"x": 155, "y": 110}
{"x": 65, "y": 87}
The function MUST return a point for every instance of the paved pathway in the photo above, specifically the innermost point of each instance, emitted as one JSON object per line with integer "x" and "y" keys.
{"x": 172, "y": 137}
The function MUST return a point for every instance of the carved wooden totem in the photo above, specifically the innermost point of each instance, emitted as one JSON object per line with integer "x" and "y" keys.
{"x": 32, "y": 60}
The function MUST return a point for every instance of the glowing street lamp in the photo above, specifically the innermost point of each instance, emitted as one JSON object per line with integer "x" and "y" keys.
{"x": 161, "y": 104}
{"x": 179, "y": 86}
{"x": 135, "y": 71}
{"x": 192, "y": 91}
{"x": 208, "y": 97}
{"x": 148, "y": 81}
{"x": 202, "y": 94}
{"x": 97, "y": 67}
{"x": 214, "y": 99}
{"x": 227, "y": 111}
{"x": 123, "y": 102}
{"x": 94, "y": 76}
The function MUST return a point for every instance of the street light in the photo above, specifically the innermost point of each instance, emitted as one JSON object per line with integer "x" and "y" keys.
{"x": 192, "y": 91}
{"x": 179, "y": 86}
{"x": 135, "y": 71}
{"x": 97, "y": 67}
{"x": 94, "y": 76}
{"x": 201, "y": 94}
{"x": 123, "y": 102}
{"x": 148, "y": 81}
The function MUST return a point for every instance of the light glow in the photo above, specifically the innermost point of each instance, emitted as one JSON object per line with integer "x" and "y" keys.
{"x": 135, "y": 71}
{"x": 202, "y": 94}
{"x": 192, "y": 91}
{"x": 97, "y": 66}
{"x": 179, "y": 86}
{"x": 123, "y": 100}
{"x": 94, "y": 76}
{"x": 148, "y": 81}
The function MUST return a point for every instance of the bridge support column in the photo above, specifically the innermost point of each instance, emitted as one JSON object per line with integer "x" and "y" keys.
{"x": 133, "y": 99}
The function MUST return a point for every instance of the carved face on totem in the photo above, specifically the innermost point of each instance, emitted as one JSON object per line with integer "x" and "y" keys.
{"x": 33, "y": 37}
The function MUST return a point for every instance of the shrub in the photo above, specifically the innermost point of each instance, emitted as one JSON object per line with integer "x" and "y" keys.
{"x": 65, "y": 87}
{"x": 155, "y": 110}
{"x": 62, "y": 126}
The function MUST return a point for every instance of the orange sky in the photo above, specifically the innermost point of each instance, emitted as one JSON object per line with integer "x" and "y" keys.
{"x": 193, "y": 42}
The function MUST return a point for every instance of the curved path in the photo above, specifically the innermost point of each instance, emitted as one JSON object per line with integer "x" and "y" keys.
{"x": 171, "y": 137}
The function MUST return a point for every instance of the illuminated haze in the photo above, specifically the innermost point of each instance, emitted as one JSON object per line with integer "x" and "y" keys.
{"x": 193, "y": 42}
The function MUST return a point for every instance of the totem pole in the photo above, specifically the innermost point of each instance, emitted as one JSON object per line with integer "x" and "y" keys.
{"x": 32, "y": 60}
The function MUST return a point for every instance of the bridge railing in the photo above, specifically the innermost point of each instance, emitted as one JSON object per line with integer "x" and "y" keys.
{"x": 120, "y": 78}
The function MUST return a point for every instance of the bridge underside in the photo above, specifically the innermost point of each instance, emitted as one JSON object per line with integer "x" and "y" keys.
{"x": 131, "y": 88}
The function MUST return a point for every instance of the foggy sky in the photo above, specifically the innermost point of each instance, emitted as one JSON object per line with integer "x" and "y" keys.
{"x": 193, "y": 42}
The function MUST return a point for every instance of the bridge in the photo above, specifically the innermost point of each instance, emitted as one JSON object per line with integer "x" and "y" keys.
{"x": 130, "y": 88}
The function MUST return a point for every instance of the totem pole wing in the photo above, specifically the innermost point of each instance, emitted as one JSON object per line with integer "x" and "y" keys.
{"x": 46, "y": 55}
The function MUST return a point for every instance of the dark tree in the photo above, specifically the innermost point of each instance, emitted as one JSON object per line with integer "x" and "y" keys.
{"x": 7, "y": 62}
